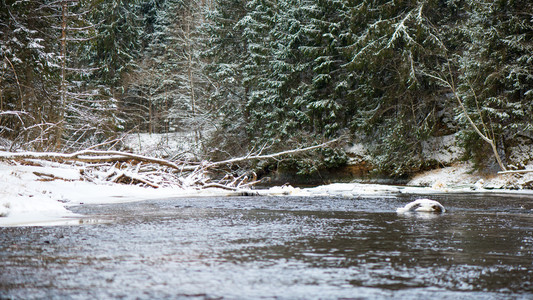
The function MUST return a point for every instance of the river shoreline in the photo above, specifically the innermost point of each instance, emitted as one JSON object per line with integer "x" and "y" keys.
{"x": 27, "y": 199}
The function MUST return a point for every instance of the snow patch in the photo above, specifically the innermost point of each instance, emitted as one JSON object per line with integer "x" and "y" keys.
{"x": 287, "y": 190}
{"x": 169, "y": 145}
{"x": 354, "y": 190}
{"x": 442, "y": 149}
{"x": 457, "y": 175}
{"x": 357, "y": 153}
{"x": 23, "y": 196}
{"x": 521, "y": 155}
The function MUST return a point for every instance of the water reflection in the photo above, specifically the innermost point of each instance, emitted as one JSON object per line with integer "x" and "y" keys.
{"x": 285, "y": 248}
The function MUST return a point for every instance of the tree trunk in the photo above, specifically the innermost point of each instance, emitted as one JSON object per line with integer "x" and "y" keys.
{"x": 62, "y": 87}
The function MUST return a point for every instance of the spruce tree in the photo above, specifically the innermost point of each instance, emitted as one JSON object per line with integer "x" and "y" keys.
{"x": 226, "y": 49}
{"x": 396, "y": 107}
{"x": 29, "y": 68}
{"x": 495, "y": 74}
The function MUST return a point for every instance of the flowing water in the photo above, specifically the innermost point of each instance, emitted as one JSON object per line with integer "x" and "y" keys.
{"x": 277, "y": 248}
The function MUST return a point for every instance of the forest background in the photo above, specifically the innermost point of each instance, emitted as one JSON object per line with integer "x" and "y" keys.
{"x": 264, "y": 76}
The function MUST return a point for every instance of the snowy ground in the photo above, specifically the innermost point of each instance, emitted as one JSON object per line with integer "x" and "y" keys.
{"x": 28, "y": 197}
{"x": 180, "y": 145}
{"x": 463, "y": 175}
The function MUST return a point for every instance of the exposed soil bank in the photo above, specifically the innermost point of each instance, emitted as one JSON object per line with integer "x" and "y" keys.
{"x": 360, "y": 173}
{"x": 458, "y": 175}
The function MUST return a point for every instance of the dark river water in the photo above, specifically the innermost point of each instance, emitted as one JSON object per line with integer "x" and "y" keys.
{"x": 277, "y": 248}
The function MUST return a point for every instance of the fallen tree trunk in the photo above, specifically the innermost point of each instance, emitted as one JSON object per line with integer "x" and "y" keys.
{"x": 131, "y": 179}
{"x": 269, "y": 156}
{"x": 111, "y": 158}
{"x": 96, "y": 156}
{"x": 93, "y": 156}
{"x": 516, "y": 171}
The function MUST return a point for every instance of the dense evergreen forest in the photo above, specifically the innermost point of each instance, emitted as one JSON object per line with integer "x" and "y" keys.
{"x": 270, "y": 75}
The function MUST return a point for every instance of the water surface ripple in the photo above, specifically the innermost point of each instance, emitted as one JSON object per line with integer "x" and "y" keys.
{"x": 277, "y": 247}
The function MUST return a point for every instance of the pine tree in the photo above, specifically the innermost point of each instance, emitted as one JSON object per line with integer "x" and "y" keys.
{"x": 264, "y": 106}
{"x": 274, "y": 72}
{"x": 325, "y": 97}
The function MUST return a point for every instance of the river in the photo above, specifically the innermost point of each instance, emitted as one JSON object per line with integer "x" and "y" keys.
{"x": 277, "y": 248}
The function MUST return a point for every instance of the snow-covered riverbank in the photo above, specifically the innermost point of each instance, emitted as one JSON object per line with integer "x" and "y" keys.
{"x": 42, "y": 195}
{"x": 463, "y": 174}
{"x": 31, "y": 195}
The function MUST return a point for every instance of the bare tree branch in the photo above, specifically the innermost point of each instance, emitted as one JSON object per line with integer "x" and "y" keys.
{"x": 269, "y": 156}
{"x": 451, "y": 85}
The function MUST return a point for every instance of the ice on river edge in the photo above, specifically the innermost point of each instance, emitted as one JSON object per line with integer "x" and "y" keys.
{"x": 25, "y": 199}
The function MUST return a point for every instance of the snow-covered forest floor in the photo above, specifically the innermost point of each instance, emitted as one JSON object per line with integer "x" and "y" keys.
{"x": 40, "y": 193}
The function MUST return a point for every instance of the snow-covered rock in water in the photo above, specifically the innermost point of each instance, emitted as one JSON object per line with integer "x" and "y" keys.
{"x": 422, "y": 205}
